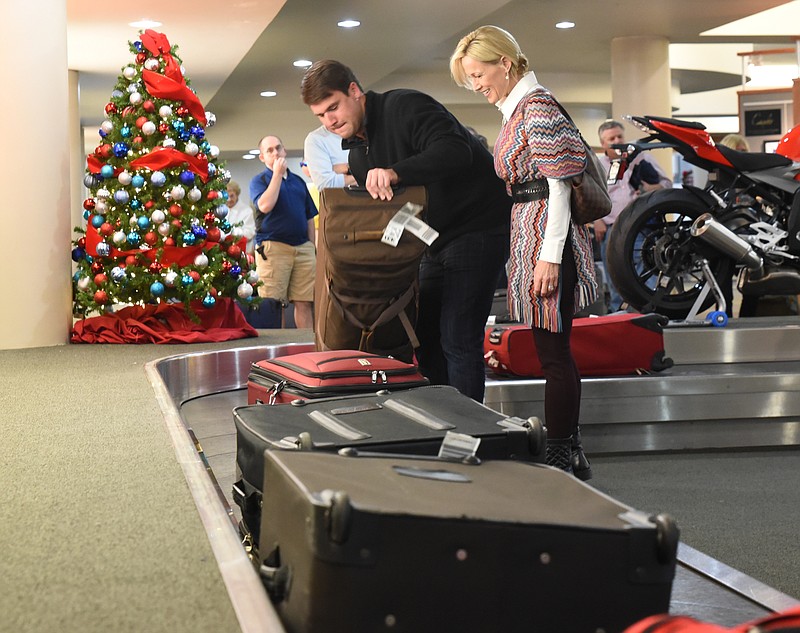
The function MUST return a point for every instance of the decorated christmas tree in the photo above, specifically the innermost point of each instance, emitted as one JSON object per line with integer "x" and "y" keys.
{"x": 156, "y": 214}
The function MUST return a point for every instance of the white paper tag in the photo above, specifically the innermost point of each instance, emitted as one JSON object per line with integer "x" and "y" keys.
{"x": 405, "y": 218}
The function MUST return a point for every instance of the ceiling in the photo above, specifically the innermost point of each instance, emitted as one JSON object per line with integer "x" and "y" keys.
{"x": 233, "y": 51}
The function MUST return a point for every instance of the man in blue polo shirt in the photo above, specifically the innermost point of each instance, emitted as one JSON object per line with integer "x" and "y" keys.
{"x": 286, "y": 257}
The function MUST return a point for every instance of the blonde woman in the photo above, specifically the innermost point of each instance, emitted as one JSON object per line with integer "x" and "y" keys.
{"x": 551, "y": 266}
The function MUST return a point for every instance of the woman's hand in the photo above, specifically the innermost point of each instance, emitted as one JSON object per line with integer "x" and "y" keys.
{"x": 545, "y": 278}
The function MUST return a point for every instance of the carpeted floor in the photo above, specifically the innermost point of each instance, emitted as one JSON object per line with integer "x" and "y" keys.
{"x": 98, "y": 529}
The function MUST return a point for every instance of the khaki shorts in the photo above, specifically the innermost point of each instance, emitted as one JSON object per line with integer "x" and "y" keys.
{"x": 287, "y": 272}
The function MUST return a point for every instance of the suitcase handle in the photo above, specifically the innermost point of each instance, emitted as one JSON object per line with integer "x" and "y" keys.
{"x": 358, "y": 190}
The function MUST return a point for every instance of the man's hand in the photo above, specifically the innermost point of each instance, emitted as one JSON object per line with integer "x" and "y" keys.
{"x": 279, "y": 167}
{"x": 379, "y": 183}
{"x": 600, "y": 229}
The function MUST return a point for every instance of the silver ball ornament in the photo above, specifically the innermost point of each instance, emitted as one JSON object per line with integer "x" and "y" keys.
{"x": 225, "y": 176}
{"x": 211, "y": 119}
{"x": 103, "y": 249}
{"x": 157, "y": 216}
{"x": 158, "y": 179}
{"x": 148, "y": 128}
{"x": 151, "y": 63}
{"x": 107, "y": 126}
{"x": 252, "y": 277}
{"x": 168, "y": 142}
{"x": 129, "y": 72}
{"x": 101, "y": 207}
{"x": 163, "y": 229}
{"x": 118, "y": 237}
{"x": 171, "y": 278}
{"x": 83, "y": 284}
{"x": 201, "y": 261}
{"x": 221, "y": 212}
{"x": 118, "y": 274}
{"x": 177, "y": 192}
{"x": 194, "y": 194}
{"x": 191, "y": 148}
{"x": 165, "y": 112}
{"x": 135, "y": 98}
{"x": 213, "y": 151}
{"x": 124, "y": 178}
{"x": 102, "y": 193}
{"x": 245, "y": 291}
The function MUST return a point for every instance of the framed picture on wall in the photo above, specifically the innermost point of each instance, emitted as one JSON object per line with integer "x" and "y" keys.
{"x": 766, "y": 122}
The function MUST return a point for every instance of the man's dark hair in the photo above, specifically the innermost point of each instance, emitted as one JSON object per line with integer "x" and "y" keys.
{"x": 324, "y": 78}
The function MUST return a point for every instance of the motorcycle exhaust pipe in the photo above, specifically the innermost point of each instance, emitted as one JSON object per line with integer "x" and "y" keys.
{"x": 723, "y": 239}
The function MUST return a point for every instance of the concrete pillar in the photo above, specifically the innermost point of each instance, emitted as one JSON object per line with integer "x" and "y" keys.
{"x": 35, "y": 264}
{"x": 641, "y": 83}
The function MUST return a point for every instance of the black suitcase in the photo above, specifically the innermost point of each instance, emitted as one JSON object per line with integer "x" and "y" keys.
{"x": 413, "y": 421}
{"x": 391, "y": 543}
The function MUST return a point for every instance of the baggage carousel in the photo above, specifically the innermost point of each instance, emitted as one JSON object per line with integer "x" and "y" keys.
{"x": 734, "y": 388}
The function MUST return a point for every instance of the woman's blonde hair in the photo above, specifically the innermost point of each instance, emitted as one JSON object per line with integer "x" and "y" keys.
{"x": 487, "y": 44}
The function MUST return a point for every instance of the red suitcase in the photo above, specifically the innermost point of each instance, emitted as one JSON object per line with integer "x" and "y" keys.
{"x": 326, "y": 375}
{"x": 785, "y": 622}
{"x": 615, "y": 344}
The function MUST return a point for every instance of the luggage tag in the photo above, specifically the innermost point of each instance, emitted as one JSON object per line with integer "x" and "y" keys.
{"x": 405, "y": 219}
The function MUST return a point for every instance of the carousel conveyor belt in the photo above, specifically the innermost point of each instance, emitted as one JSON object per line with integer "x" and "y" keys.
{"x": 731, "y": 389}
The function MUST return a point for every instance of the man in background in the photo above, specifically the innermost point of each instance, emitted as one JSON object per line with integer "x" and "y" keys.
{"x": 643, "y": 174}
{"x": 286, "y": 257}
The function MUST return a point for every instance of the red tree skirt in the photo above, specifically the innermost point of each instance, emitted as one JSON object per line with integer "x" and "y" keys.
{"x": 165, "y": 323}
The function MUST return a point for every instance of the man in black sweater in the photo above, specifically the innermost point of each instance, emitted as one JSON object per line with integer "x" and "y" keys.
{"x": 405, "y": 137}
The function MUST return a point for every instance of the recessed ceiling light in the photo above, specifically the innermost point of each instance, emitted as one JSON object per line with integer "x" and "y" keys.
{"x": 254, "y": 152}
{"x": 144, "y": 23}
{"x": 302, "y": 63}
{"x": 349, "y": 24}
{"x": 269, "y": 93}
{"x": 248, "y": 157}
{"x": 565, "y": 25}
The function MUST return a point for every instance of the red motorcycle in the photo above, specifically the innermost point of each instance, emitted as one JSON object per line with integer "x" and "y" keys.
{"x": 669, "y": 247}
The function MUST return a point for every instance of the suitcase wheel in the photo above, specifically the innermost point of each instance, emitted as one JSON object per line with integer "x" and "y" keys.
{"x": 304, "y": 441}
{"x": 537, "y": 435}
{"x": 661, "y": 361}
{"x": 667, "y": 537}
{"x": 339, "y": 516}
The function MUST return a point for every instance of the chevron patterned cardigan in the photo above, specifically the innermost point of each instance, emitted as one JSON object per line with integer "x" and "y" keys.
{"x": 537, "y": 141}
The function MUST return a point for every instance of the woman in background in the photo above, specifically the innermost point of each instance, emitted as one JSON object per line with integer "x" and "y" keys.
{"x": 551, "y": 266}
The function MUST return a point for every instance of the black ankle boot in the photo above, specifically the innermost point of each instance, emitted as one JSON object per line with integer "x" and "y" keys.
{"x": 559, "y": 454}
{"x": 581, "y": 467}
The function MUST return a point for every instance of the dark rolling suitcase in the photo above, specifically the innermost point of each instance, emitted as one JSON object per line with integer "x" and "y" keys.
{"x": 366, "y": 291}
{"x": 326, "y": 375}
{"x": 390, "y": 543}
{"x": 612, "y": 345}
{"x": 413, "y": 421}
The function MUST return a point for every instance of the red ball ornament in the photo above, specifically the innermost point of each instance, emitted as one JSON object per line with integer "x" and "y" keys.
{"x": 96, "y": 267}
{"x": 213, "y": 291}
{"x": 213, "y": 234}
{"x": 104, "y": 151}
{"x": 177, "y": 225}
{"x": 209, "y": 218}
{"x": 106, "y": 229}
{"x": 155, "y": 268}
{"x": 163, "y": 128}
{"x": 182, "y": 110}
{"x": 141, "y": 121}
{"x": 169, "y": 242}
{"x": 138, "y": 140}
{"x": 88, "y": 204}
{"x": 140, "y": 57}
{"x": 128, "y": 111}
{"x": 150, "y": 238}
{"x": 130, "y": 260}
{"x": 111, "y": 108}
{"x": 175, "y": 210}
{"x": 234, "y": 251}
{"x": 194, "y": 275}
{"x": 212, "y": 195}
{"x": 149, "y": 106}
{"x": 149, "y": 204}
{"x": 226, "y": 266}
{"x": 100, "y": 279}
{"x": 101, "y": 297}
{"x": 82, "y": 242}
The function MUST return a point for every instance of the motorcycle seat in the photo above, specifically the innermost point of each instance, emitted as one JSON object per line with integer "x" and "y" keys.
{"x": 753, "y": 161}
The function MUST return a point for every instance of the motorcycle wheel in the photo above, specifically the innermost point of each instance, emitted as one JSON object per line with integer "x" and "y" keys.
{"x": 655, "y": 263}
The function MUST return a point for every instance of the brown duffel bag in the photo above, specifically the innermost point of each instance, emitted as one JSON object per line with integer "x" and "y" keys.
{"x": 366, "y": 291}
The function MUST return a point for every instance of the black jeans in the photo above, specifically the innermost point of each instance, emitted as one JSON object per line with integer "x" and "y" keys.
{"x": 457, "y": 285}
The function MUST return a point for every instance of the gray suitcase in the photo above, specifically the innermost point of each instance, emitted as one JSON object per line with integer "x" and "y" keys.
{"x": 393, "y": 543}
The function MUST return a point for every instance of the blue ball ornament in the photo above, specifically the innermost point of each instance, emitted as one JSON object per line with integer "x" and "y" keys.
{"x": 197, "y": 132}
{"x": 135, "y": 204}
{"x": 106, "y": 171}
{"x": 209, "y": 301}
{"x": 178, "y": 125}
{"x": 133, "y": 239}
{"x": 86, "y": 214}
{"x": 158, "y": 179}
{"x": 78, "y": 254}
{"x": 125, "y": 131}
{"x": 118, "y": 275}
{"x": 143, "y": 221}
{"x": 157, "y": 289}
{"x": 120, "y": 150}
{"x": 225, "y": 226}
{"x": 184, "y": 135}
{"x": 138, "y": 46}
{"x": 102, "y": 133}
{"x": 235, "y": 271}
{"x": 189, "y": 238}
{"x": 137, "y": 181}
{"x": 187, "y": 280}
{"x": 97, "y": 221}
{"x": 205, "y": 146}
{"x": 116, "y": 94}
{"x": 199, "y": 231}
{"x": 121, "y": 196}
{"x": 103, "y": 249}
{"x": 212, "y": 169}
{"x": 187, "y": 178}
